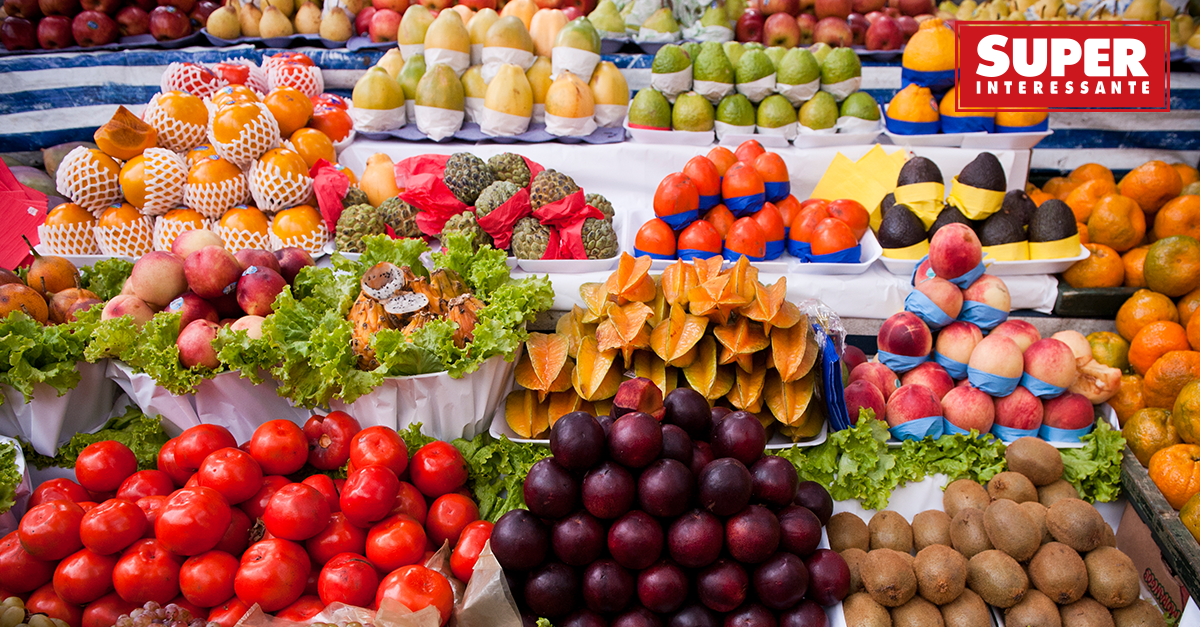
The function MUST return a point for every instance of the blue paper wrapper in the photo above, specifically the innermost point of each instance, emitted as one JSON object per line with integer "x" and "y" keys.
{"x": 992, "y": 385}
{"x": 912, "y": 278}
{"x": 777, "y": 191}
{"x": 688, "y": 254}
{"x": 732, "y": 256}
{"x": 918, "y": 303}
{"x": 849, "y": 255}
{"x": 938, "y": 82}
{"x": 642, "y": 253}
{"x": 798, "y": 249}
{"x": 679, "y": 221}
{"x": 950, "y": 429}
{"x": 1008, "y": 435}
{"x": 983, "y": 316}
{"x": 919, "y": 429}
{"x": 708, "y": 202}
{"x": 1040, "y": 388}
{"x": 1040, "y": 127}
{"x": 970, "y": 277}
{"x": 743, "y": 206}
{"x": 956, "y": 369}
{"x": 900, "y": 127}
{"x": 774, "y": 249}
{"x": 1052, "y": 434}
{"x": 968, "y": 124}
{"x": 900, "y": 363}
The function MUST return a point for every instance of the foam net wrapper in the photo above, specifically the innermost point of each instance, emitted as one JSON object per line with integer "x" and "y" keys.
{"x": 273, "y": 189}
{"x": 259, "y": 136}
{"x": 165, "y": 232}
{"x": 257, "y": 80}
{"x": 240, "y": 240}
{"x": 130, "y": 240}
{"x": 196, "y": 80}
{"x": 81, "y": 178}
{"x": 313, "y": 242}
{"x": 172, "y": 134}
{"x": 307, "y": 79}
{"x": 166, "y": 174}
{"x": 214, "y": 199}
{"x": 69, "y": 239}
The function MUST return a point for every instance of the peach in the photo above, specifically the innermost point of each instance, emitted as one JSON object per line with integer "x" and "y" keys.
{"x": 257, "y": 289}
{"x": 1051, "y": 361}
{"x": 957, "y": 340}
{"x": 930, "y": 375}
{"x": 954, "y": 251}
{"x": 944, "y": 294}
{"x": 912, "y": 402}
{"x": 989, "y": 290}
{"x": 81, "y": 306}
{"x": 195, "y": 345}
{"x": 862, "y": 394}
{"x": 252, "y": 325}
{"x": 158, "y": 277}
{"x": 999, "y": 356}
{"x": 1018, "y": 331}
{"x": 257, "y": 257}
{"x": 189, "y": 242}
{"x": 1079, "y": 345}
{"x": 1097, "y": 382}
{"x": 968, "y": 407}
{"x": 211, "y": 270}
{"x": 191, "y": 307}
{"x": 877, "y": 375}
{"x": 924, "y": 273}
{"x": 292, "y": 260}
{"x": 905, "y": 334}
{"x": 127, "y": 305}
{"x": 852, "y": 357}
{"x": 1069, "y": 411}
{"x": 127, "y": 287}
{"x": 1019, "y": 410}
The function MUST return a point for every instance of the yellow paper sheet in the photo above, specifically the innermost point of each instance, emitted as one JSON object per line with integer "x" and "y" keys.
{"x": 867, "y": 181}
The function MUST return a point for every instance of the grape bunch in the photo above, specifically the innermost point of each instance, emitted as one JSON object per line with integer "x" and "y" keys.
{"x": 153, "y": 614}
{"x": 13, "y": 614}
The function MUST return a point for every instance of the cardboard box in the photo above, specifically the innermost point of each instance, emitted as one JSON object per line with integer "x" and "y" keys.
{"x": 1158, "y": 582}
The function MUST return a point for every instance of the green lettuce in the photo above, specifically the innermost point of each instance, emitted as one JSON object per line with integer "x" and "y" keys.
{"x": 32, "y": 353}
{"x": 10, "y": 479}
{"x": 156, "y": 354}
{"x": 106, "y": 277}
{"x": 496, "y": 472}
{"x": 414, "y": 440}
{"x": 1095, "y": 469}
{"x": 143, "y": 435}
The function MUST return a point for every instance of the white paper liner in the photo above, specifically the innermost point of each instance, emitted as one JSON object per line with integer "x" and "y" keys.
{"x": 719, "y": 34}
{"x": 851, "y": 124}
{"x": 787, "y": 131}
{"x": 379, "y": 119}
{"x": 672, "y": 84}
{"x": 839, "y": 91}
{"x": 408, "y": 51}
{"x": 570, "y": 127}
{"x": 804, "y": 130}
{"x": 410, "y": 110}
{"x": 313, "y": 242}
{"x": 257, "y": 137}
{"x": 305, "y": 78}
{"x": 581, "y": 63}
{"x": 165, "y": 232}
{"x": 473, "y": 109}
{"x": 477, "y": 54}
{"x": 238, "y": 240}
{"x": 495, "y": 56}
{"x": 69, "y": 239}
{"x": 714, "y": 91}
{"x": 10, "y": 520}
{"x": 608, "y": 34}
{"x": 188, "y": 77}
{"x": 128, "y": 240}
{"x": 539, "y": 113}
{"x": 797, "y": 94}
{"x": 640, "y": 12}
{"x": 497, "y": 124}
{"x": 165, "y": 174}
{"x": 610, "y": 115}
{"x": 173, "y": 134}
{"x": 755, "y": 91}
{"x": 84, "y": 182}
{"x": 457, "y": 60}
{"x": 273, "y": 189}
{"x": 437, "y": 123}
{"x": 214, "y": 199}
{"x": 51, "y": 419}
{"x": 724, "y": 129}
{"x": 646, "y": 35}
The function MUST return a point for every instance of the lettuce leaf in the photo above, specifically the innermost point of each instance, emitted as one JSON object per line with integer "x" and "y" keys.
{"x": 496, "y": 472}
{"x": 381, "y": 248}
{"x": 143, "y": 435}
{"x": 484, "y": 269}
{"x": 400, "y": 358}
{"x": 238, "y": 351}
{"x": 10, "y": 479}
{"x": 32, "y": 353}
{"x": 112, "y": 338}
{"x": 1095, "y": 469}
{"x": 156, "y": 354}
{"x": 414, "y": 439}
{"x": 106, "y": 277}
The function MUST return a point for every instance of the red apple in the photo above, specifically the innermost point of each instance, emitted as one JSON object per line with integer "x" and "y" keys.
{"x": 833, "y": 31}
{"x": 27, "y": 9}
{"x": 437, "y": 5}
{"x": 399, "y": 6}
{"x": 232, "y": 73}
{"x": 808, "y": 24}
{"x": 916, "y": 7}
{"x": 908, "y": 26}
{"x": 362, "y": 21}
{"x": 54, "y": 32}
{"x": 185, "y": 6}
{"x": 104, "y": 6}
{"x": 199, "y": 15}
{"x": 874, "y": 16}
{"x": 93, "y": 28}
{"x": 18, "y": 33}
{"x": 868, "y": 6}
{"x": 169, "y": 23}
{"x": 541, "y": 4}
{"x": 145, "y": 5}
{"x": 384, "y": 25}
{"x": 833, "y": 8}
{"x": 790, "y": 7}
{"x": 750, "y": 26}
{"x": 132, "y": 21}
{"x": 884, "y": 34}
{"x": 858, "y": 27}
{"x": 479, "y": 5}
{"x": 571, "y": 12}
{"x": 781, "y": 29}
{"x": 66, "y": 8}
{"x": 584, "y": 6}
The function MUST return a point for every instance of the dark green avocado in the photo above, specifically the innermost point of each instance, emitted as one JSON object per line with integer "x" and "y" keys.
{"x": 900, "y": 228}
{"x": 984, "y": 172}
{"x": 919, "y": 170}
{"x": 888, "y": 202}
{"x": 1051, "y": 222}
{"x": 1000, "y": 229}
{"x": 949, "y": 214}
{"x": 1018, "y": 206}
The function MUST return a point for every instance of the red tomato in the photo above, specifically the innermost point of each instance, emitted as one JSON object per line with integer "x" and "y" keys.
{"x": 832, "y": 235}
{"x": 170, "y": 465}
{"x": 339, "y": 537}
{"x": 447, "y": 517}
{"x": 368, "y": 495}
{"x": 193, "y": 521}
{"x": 348, "y": 578}
{"x": 45, "y": 601}
{"x": 50, "y": 531}
{"x": 192, "y": 608}
{"x": 409, "y": 500}
{"x": 228, "y": 613}
{"x": 105, "y": 611}
{"x": 327, "y": 488}
{"x": 237, "y": 535}
{"x": 58, "y": 490}
{"x": 330, "y": 100}
{"x": 102, "y": 466}
{"x": 416, "y": 588}
{"x": 22, "y": 572}
{"x": 147, "y": 571}
{"x": 193, "y": 481}
{"x": 84, "y": 577}
{"x": 394, "y": 542}
{"x": 111, "y": 526}
{"x": 233, "y": 473}
{"x": 145, "y": 483}
{"x": 303, "y": 609}
{"x": 151, "y": 506}
{"x": 470, "y": 545}
{"x": 293, "y": 57}
{"x": 379, "y": 446}
{"x": 88, "y": 506}
{"x": 852, "y": 213}
{"x": 296, "y": 512}
{"x": 257, "y": 505}
{"x": 329, "y": 439}
{"x": 207, "y": 579}
{"x": 310, "y": 584}
{"x": 437, "y": 469}
{"x": 193, "y": 445}
{"x": 272, "y": 574}
{"x": 279, "y": 446}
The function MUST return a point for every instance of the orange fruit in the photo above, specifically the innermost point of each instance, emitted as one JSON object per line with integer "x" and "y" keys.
{"x": 700, "y": 235}
{"x": 723, "y": 158}
{"x": 1172, "y": 265}
{"x": 243, "y": 218}
{"x": 770, "y": 221}
{"x": 335, "y": 123}
{"x": 1082, "y": 199}
{"x": 184, "y": 107}
{"x": 233, "y": 94}
{"x": 656, "y": 237}
{"x": 1059, "y": 187}
{"x": 1190, "y": 516}
{"x": 119, "y": 215}
{"x": 1185, "y": 416}
{"x": 125, "y": 135}
{"x": 1109, "y": 349}
{"x": 806, "y": 223}
{"x": 186, "y": 216}
{"x": 288, "y": 161}
{"x": 1091, "y": 172}
{"x": 1168, "y": 375}
{"x": 1143, "y": 308}
{"x": 312, "y": 145}
{"x": 1187, "y": 305}
{"x": 676, "y": 194}
{"x": 1149, "y": 431}
{"x": 704, "y": 175}
{"x": 348, "y": 172}
{"x": 789, "y": 208}
{"x": 1187, "y": 174}
{"x": 1180, "y": 216}
{"x": 199, "y": 152}
{"x": 1103, "y": 268}
{"x": 296, "y": 222}
{"x": 853, "y": 214}
{"x": 291, "y": 108}
{"x": 212, "y": 169}
{"x": 1129, "y": 398}
{"x": 748, "y": 151}
{"x": 832, "y": 235}
{"x": 747, "y": 238}
{"x": 1117, "y": 222}
{"x": 69, "y": 213}
{"x": 1176, "y": 471}
{"x": 721, "y": 218}
{"x": 229, "y": 121}
{"x": 1083, "y": 233}
{"x": 1151, "y": 185}
{"x": 133, "y": 181}
{"x": 1193, "y": 334}
{"x": 1155, "y": 340}
{"x": 1038, "y": 196}
{"x": 1134, "y": 260}
{"x": 771, "y": 168}
{"x": 741, "y": 179}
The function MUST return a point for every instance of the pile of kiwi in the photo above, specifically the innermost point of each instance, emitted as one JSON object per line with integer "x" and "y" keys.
{"x": 1025, "y": 544}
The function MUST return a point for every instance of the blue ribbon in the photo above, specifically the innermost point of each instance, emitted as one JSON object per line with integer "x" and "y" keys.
{"x": 918, "y": 303}
{"x": 1053, "y": 434}
{"x": 981, "y": 315}
{"x": 956, "y": 369}
{"x": 912, "y": 279}
{"x": 1040, "y": 388}
{"x": 708, "y": 202}
{"x": 774, "y": 249}
{"x": 786, "y": 230}
{"x": 798, "y": 249}
{"x": 1008, "y": 435}
{"x": 970, "y": 277}
{"x": 938, "y": 82}
{"x": 777, "y": 191}
{"x": 993, "y": 385}
{"x": 732, "y": 256}
{"x": 849, "y": 255}
{"x": 1034, "y": 128}
{"x": 900, "y": 127}
{"x": 968, "y": 124}
{"x": 900, "y": 364}
{"x": 742, "y": 206}
{"x": 688, "y": 254}
{"x": 642, "y": 253}
{"x": 919, "y": 429}
{"x": 951, "y": 429}
{"x": 677, "y": 221}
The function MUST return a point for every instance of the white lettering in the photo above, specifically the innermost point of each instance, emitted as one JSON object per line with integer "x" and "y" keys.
{"x": 987, "y": 52}
{"x": 1054, "y": 87}
{"x": 1070, "y": 87}
{"x": 1099, "y": 88}
{"x": 1094, "y": 58}
{"x": 1127, "y": 57}
{"x": 1146, "y": 88}
{"x": 1021, "y": 57}
{"x": 1063, "y": 52}
{"x": 1021, "y": 87}
{"x": 1083, "y": 88}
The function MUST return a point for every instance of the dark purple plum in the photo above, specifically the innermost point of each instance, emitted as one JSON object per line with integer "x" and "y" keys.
{"x": 773, "y": 481}
{"x": 781, "y": 581}
{"x": 637, "y": 617}
{"x": 520, "y": 540}
{"x": 550, "y": 490}
{"x": 605, "y": 423}
{"x": 635, "y": 440}
{"x": 688, "y": 409}
{"x": 677, "y": 444}
{"x": 750, "y": 615}
{"x": 608, "y": 490}
{"x": 740, "y": 436}
{"x": 724, "y": 486}
{"x": 717, "y": 415}
{"x": 799, "y": 530}
{"x": 701, "y": 456}
{"x": 635, "y": 540}
{"x": 584, "y": 618}
{"x": 828, "y": 577}
{"x": 663, "y": 587}
{"x": 816, "y": 498}
{"x": 552, "y": 591}
{"x": 516, "y": 585}
{"x": 722, "y": 587}
{"x": 665, "y": 488}
{"x": 806, "y": 614}
{"x": 752, "y": 535}
{"x": 577, "y": 441}
{"x": 694, "y": 615}
{"x": 695, "y": 539}
{"x": 527, "y": 619}
{"x": 578, "y": 539}
{"x": 607, "y": 587}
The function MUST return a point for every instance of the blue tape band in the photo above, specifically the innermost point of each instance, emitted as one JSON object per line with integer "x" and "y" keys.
{"x": 970, "y": 277}
{"x": 798, "y": 249}
{"x": 1040, "y": 127}
{"x": 900, "y": 363}
{"x": 742, "y": 206}
{"x": 925, "y": 309}
{"x": 1008, "y": 435}
{"x": 786, "y": 231}
{"x": 777, "y": 191}
{"x": 688, "y": 254}
{"x": 912, "y": 279}
{"x": 708, "y": 202}
{"x": 677, "y": 221}
{"x": 1040, "y": 388}
{"x": 940, "y": 81}
{"x": 642, "y": 253}
{"x": 900, "y": 127}
{"x": 968, "y": 124}
{"x": 1053, "y": 434}
{"x": 956, "y": 369}
{"x": 732, "y": 256}
{"x": 849, "y": 255}
{"x": 981, "y": 315}
{"x": 919, "y": 429}
{"x": 991, "y": 384}
{"x": 775, "y": 249}
{"x": 949, "y": 428}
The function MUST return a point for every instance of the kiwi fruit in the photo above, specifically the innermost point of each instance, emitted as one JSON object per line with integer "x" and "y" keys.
{"x": 1112, "y": 577}
{"x": 1076, "y": 524}
{"x": 967, "y": 533}
{"x": 1035, "y": 610}
{"x": 1013, "y": 486}
{"x": 1035, "y": 458}
{"x": 1052, "y": 493}
{"x": 997, "y": 578}
{"x": 968, "y": 610}
{"x": 1010, "y": 529}
{"x": 854, "y": 557}
{"x": 889, "y": 530}
{"x": 917, "y": 613}
{"x": 901, "y": 228}
{"x": 845, "y": 531}
{"x": 919, "y": 170}
{"x": 1037, "y": 514}
{"x": 1110, "y": 538}
{"x": 1059, "y": 573}
{"x": 1085, "y": 612}
{"x": 930, "y": 527}
{"x": 963, "y": 494}
{"x": 888, "y": 577}
{"x": 1141, "y": 613}
{"x": 941, "y": 573}
{"x": 984, "y": 172}
{"x": 862, "y": 611}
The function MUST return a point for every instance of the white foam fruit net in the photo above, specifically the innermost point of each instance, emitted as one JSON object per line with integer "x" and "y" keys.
{"x": 69, "y": 239}
{"x": 193, "y": 78}
{"x": 257, "y": 80}
{"x": 86, "y": 183}
{"x": 239, "y": 240}
{"x": 165, "y": 177}
{"x": 258, "y": 136}
{"x": 273, "y": 189}
{"x": 165, "y": 231}
{"x": 305, "y": 78}
{"x": 313, "y": 241}
{"x": 131, "y": 240}
{"x": 173, "y": 134}
{"x": 214, "y": 199}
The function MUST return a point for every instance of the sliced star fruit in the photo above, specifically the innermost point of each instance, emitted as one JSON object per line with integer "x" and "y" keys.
{"x": 674, "y": 339}
{"x": 659, "y": 308}
{"x": 595, "y": 376}
{"x": 790, "y": 350}
{"x": 740, "y": 341}
{"x": 704, "y": 375}
{"x": 525, "y": 414}
{"x": 544, "y": 365}
{"x": 571, "y": 326}
{"x": 747, "y": 392}
{"x": 602, "y": 407}
{"x": 742, "y": 278}
{"x": 810, "y": 427}
{"x": 771, "y": 306}
{"x": 563, "y": 403}
{"x": 789, "y": 401}
{"x": 649, "y": 366}
{"x": 677, "y": 280}
{"x": 595, "y": 298}
{"x": 707, "y": 268}
{"x": 631, "y": 281}
{"x": 625, "y": 329}
{"x": 704, "y": 299}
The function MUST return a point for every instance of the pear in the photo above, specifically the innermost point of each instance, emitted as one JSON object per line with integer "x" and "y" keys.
{"x": 1141, "y": 10}
{"x": 223, "y": 23}
{"x": 411, "y": 74}
{"x": 661, "y": 21}
{"x": 520, "y": 9}
{"x": 798, "y": 67}
{"x": 714, "y": 16}
{"x": 235, "y": 6}
{"x": 392, "y": 61}
{"x": 377, "y": 90}
{"x": 510, "y": 92}
{"x": 509, "y": 32}
{"x": 580, "y": 34}
{"x": 448, "y": 32}
{"x": 249, "y": 18}
{"x": 539, "y": 79}
{"x": 544, "y": 29}
{"x": 733, "y": 51}
{"x": 472, "y": 82}
{"x": 692, "y": 112}
{"x": 440, "y": 88}
{"x": 354, "y": 6}
{"x": 570, "y": 97}
{"x": 608, "y": 85}
{"x": 465, "y": 13}
{"x": 275, "y": 24}
{"x": 820, "y": 51}
{"x": 287, "y": 7}
{"x": 734, "y": 10}
{"x": 337, "y": 27}
{"x": 606, "y": 18}
{"x": 413, "y": 25}
{"x": 479, "y": 25}
{"x": 650, "y": 109}
{"x": 1187, "y": 27}
{"x": 308, "y": 19}
{"x": 775, "y": 53}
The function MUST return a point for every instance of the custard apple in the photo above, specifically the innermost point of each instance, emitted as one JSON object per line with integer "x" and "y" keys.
{"x": 354, "y": 196}
{"x": 509, "y": 167}
{"x": 467, "y": 176}
{"x": 401, "y": 216}
{"x": 550, "y": 186}
{"x": 465, "y": 223}
{"x": 355, "y": 223}
{"x": 599, "y": 239}
{"x": 601, "y": 203}
{"x": 530, "y": 239}
{"x": 495, "y": 195}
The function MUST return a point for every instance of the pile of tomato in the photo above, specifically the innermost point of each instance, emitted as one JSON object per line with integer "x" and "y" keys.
{"x": 219, "y": 527}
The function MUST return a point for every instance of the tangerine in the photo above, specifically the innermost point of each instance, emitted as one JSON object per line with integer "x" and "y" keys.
{"x": 119, "y": 215}
{"x": 211, "y": 170}
{"x": 313, "y": 145}
{"x": 721, "y": 218}
{"x": 298, "y": 221}
{"x": 676, "y": 194}
{"x": 700, "y": 236}
{"x": 1193, "y": 334}
{"x": 1082, "y": 199}
{"x": 748, "y": 151}
{"x": 187, "y": 216}
{"x": 1180, "y": 216}
{"x": 853, "y": 214}
{"x": 1151, "y": 185}
{"x": 704, "y": 176}
{"x": 1141, "y": 309}
{"x": 1176, "y": 471}
{"x": 1168, "y": 375}
{"x": 1109, "y": 349}
{"x": 656, "y": 238}
{"x": 1148, "y": 431}
{"x": 1185, "y": 415}
{"x": 199, "y": 152}
{"x": 1187, "y": 305}
{"x": 746, "y": 238}
{"x": 245, "y": 219}
{"x": 806, "y": 223}
{"x": 183, "y": 107}
{"x": 1155, "y": 340}
{"x": 69, "y": 213}
{"x": 1092, "y": 172}
{"x": 348, "y": 172}
{"x": 1103, "y": 268}
{"x": 334, "y": 122}
{"x": 1059, "y": 187}
{"x": 229, "y": 121}
{"x": 288, "y": 162}
{"x": 1190, "y": 516}
{"x": 771, "y": 222}
{"x": 291, "y": 108}
{"x": 133, "y": 181}
{"x": 1038, "y": 196}
{"x": 1172, "y": 265}
{"x": 832, "y": 235}
{"x": 1187, "y": 174}
{"x": 1134, "y": 262}
{"x": 789, "y": 208}
{"x": 1130, "y": 397}
{"x": 1083, "y": 233}
{"x": 1117, "y": 222}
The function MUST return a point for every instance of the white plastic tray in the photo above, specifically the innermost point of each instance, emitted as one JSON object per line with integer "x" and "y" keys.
{"x": 837, "y": 139}
{"x": 767, "y": 141}
{"x": 567, "y": 266}
{"x": 904, "y": 267}
{"x": 675, "y": 138}
{"x": 1004, "y": 141}
{"x": 81, "y": 261}
{"x": 948, "y": 140}
{"x": 871, "y": 250}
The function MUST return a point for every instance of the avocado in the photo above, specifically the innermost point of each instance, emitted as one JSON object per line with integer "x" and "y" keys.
{"x": 1018, "y": 206}
{"x": 900, "y": 228}
{"x": 949, "y": 214}
{"x": 1000, "y": 229}
{"x": 1051, "y": 222}
{"x": 888, "y": 202}
{"x": 984, "y": 172}
{"x": 919, "y": 170}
